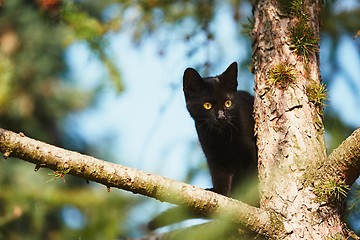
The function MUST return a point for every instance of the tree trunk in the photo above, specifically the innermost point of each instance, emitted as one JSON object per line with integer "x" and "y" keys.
{"x": 288, "y": 116}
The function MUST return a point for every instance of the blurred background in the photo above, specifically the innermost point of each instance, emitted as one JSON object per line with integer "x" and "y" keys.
{"x": 104, "y": 78}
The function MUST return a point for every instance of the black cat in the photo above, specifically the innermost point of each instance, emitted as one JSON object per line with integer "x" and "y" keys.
{"x": 225, "y": 126}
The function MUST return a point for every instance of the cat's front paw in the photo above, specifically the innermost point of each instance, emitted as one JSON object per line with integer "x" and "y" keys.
{"x": 216, "y": 191}
{"x": 213, "y": 190}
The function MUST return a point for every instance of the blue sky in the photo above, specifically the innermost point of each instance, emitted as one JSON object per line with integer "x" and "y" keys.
{"x": 341, "y": 95}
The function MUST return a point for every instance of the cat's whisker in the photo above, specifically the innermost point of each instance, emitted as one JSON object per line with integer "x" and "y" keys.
{"x": 234, "y": 126}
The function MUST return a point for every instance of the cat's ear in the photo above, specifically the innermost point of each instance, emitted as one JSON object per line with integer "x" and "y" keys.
{"x": 192, "y": 82}
{"x": 229, "y": 76}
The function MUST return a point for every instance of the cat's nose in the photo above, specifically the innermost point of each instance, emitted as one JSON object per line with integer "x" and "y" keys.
{"x": 220, "y": 115}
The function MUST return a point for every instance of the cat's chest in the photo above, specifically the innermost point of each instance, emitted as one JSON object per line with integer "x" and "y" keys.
{"x": 228, "y": 141}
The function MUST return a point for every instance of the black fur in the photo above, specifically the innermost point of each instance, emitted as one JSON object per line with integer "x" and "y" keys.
{"x": 226, "y": 134}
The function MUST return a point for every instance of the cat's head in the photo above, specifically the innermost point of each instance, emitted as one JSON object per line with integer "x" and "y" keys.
{"x": 211, "y": 100}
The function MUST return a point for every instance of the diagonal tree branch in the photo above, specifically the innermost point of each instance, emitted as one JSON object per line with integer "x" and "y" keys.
{"x": 346, "y": 158}
{"x": 151, "y": 185}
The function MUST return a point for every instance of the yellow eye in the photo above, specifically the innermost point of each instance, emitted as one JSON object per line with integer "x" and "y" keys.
{"x": 207, "y": 105}
{"x": 228, "y": 103}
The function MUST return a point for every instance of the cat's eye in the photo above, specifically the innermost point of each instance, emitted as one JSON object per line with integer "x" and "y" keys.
{"x": 228, "y": 103}
{"x": 207, "y": 105}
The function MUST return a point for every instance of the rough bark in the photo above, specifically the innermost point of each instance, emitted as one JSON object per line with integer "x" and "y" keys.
{"x": 345, "y": 159}
{"x": 117, "y": 176}
{"x": 288, "y": 124}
